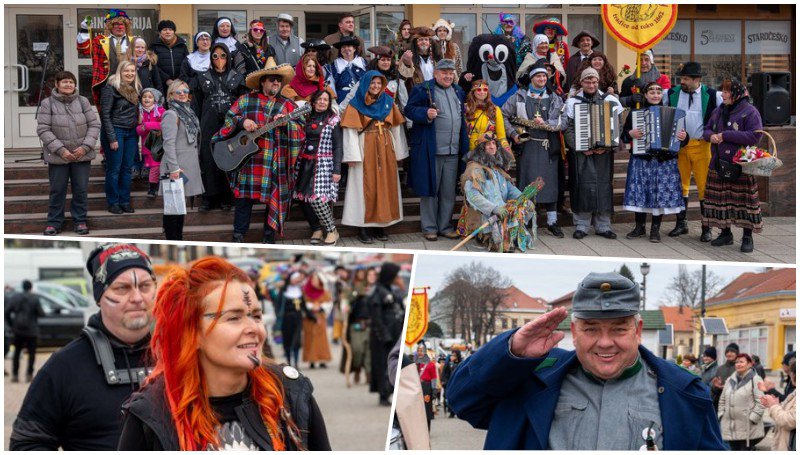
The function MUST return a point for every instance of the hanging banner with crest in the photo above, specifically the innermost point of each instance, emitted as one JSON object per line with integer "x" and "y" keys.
{"x": 639, "y": 27}
{"x": 417, "y": 316}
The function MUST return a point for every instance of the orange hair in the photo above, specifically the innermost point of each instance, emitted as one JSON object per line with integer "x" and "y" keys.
{"x": 178, "y": 312}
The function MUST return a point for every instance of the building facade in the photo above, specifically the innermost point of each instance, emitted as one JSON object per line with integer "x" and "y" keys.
{"x": 737, "y": 39}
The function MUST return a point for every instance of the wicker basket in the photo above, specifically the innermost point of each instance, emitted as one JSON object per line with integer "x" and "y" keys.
{"x": 763, "y": 167}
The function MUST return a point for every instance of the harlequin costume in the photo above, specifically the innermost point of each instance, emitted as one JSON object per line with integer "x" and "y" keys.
{"x": 104, "y": 58}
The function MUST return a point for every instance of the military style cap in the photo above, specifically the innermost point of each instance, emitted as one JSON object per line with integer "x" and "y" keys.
{"x": 445, "y": 64}
{"x": 605, "y": 296}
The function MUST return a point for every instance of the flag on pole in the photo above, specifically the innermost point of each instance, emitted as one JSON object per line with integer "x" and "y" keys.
{"x": 639, "y": 27}
{"x": 417, "y": 316}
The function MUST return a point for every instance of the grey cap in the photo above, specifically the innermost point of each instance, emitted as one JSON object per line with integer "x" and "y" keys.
{"x": 446, "y": 64}
{"x": 286, "y": 17}
{"x": 605, "y": 296}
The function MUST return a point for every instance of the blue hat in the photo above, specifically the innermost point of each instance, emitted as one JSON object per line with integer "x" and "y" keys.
{"x": 605, "y": 296}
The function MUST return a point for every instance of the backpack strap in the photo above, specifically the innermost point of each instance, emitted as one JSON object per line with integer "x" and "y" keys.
{"x": 104, "y": 356}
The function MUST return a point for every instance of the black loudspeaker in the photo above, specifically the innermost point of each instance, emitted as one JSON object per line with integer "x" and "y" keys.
{"x": 772, "y": 97}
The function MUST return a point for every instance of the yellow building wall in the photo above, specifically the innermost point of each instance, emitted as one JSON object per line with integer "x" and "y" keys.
{"x": 421, "y": 14}
{"x": 761, "y": 312}
{"x": 182, "y": 15}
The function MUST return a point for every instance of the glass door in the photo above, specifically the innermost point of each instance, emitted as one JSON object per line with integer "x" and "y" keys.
{"x": 39, "y": 47}
{"x": 365, "y": 18}
{"x": 269, "y": 18}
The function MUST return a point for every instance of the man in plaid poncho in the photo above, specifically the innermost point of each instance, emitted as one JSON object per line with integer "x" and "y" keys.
{"x": 268, "y": 176}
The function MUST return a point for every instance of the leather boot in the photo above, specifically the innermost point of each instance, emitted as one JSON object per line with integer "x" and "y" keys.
{"x": 640, "y": 229}
{"x": 269, "y": 237}
{"x": 364, "y": 236}
{"x": 747, "y": 244}
{"x": 681, "y": 226}
{"x": 655, "y": 235}
{"x": 705, "y": 235}
{"x": 725, "y": 238}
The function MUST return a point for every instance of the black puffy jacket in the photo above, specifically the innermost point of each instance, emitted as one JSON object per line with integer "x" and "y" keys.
{"x": 22, "y": 313}
{"x": 150, "y": 77}
{"x": 116, "y": 111}
{"x": 170, "y": 60}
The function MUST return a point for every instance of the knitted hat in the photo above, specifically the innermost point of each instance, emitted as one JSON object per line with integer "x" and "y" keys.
{"x": 388, "y": 273}
{"x": 159, "y": 97}
{"x": 108, "y": 261}
{"x": 539, "y": 39}
{"x": 537, "y": 67}
{"x": 732, "y": 347}
{"x": 589, "y": 72}
{"x": 711, "y": 351}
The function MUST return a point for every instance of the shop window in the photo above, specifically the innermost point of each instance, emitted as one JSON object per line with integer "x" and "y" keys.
{"x": 514, "y": 323}
{"x": 465, "y": 29}
{"x": 144, "y": 21}
{"x": 207, "y": 18}
{"x": 752, "y": 340}
{"x": 718, "y": 49}
{"x": 768, "y": 46}
{"x": 589, "y": 22}
{"x": 388, "y": 25}
{"x": 492, "y": 20}
{"x": 504, "y": 323}
{"x": 674, "y": 50}
{"x": 270, "y": 25}
{"x": 85, "y": 81}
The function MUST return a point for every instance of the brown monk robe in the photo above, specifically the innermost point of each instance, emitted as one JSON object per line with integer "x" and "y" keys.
{"x": 374, "y": 147}
{"x": 315, "y": 333}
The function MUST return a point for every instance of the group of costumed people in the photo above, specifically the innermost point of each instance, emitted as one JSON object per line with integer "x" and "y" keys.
{"x": 420, "y": 97}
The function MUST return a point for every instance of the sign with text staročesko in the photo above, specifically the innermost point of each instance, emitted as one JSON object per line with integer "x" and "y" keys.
{"x": 639, "y": 27}
{"x": 417, "y": 316}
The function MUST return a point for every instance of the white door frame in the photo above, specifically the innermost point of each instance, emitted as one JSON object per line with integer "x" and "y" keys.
{"x": 17, "y": 134}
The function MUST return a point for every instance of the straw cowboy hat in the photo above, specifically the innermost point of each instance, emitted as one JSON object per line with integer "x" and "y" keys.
{"x": 284, "y": 70}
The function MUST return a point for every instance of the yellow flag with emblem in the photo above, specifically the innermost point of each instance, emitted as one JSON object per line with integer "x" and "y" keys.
{"x": 417, "y": 316}
{"x": 639, "y": 27}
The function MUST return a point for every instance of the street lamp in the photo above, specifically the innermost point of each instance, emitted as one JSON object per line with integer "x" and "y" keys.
{"x": 645, "y": 269}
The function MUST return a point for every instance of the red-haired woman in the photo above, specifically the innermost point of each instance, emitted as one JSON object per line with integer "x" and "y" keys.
{"x": 209, "y": 389}
{"x": 315, "y": 328}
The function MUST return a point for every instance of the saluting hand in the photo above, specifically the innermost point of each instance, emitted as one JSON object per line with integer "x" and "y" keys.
{"x": 538, "y": 337}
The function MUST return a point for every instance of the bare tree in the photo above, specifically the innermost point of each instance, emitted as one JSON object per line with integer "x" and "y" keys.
{"x": 686, "y": 286}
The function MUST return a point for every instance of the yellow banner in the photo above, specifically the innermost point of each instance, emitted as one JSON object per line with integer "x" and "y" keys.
{"x": 417, "y": 316}
{"x": 639, "y": 26}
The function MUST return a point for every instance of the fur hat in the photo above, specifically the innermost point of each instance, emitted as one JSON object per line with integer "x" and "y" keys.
{"x": 422, "y": 32}
{"x": 443, "y": 23}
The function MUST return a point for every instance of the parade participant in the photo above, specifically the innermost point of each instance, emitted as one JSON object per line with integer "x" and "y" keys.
{"x": 489, "y": 58}
{"x": 68, "y": 129}
{"x": 171, "y": 51}
{"x": 342, "y": 293}
{"x": 784, "y": 414}
{"x": 444, "y": 45}
{"x": 653, "y": 183}
{"x": 315, "y": 326}
{"x": 146, "y": 64}
{"x": 309, "y": 78}
{"x": 75, "y": 399}
{"x": 694, "y": 158}
{"x": 199, "y": 60}
{"x": 106, "y": 49}
{"x": 374, "y": 142}
{"x": 180, "y": 129}
{"x": 428, "y": 377}
{"x": 591, "y": 193}
{"x": 358, "y": 326}
{"x": 212, "y": 390}
{"x": 319, "y": 168}
{"x": 268, "y": 175}
{"x": 384, "y": 64}
{"x": 608, "y": 77}
{"x": 421, "y": 60}
{"x": 439, "y": 138}
{"x": 540, "y": 156}
{"x": 541, "y": 51}
{"x": 257, "y": 48}
{"x": 732, "y": 202}
{"x": 315, "y": 47}
{"x": 345, "y": 72}
{"x": 347, "y": 28}
{"x": 287, "y": 45}
{"x": 740, "y": 409}
{"x": 214, "y": 91}
{"x": 483, "y": 116}
{"x": 585, "y": 42}
{"x": 648, "y": 73}
{"x": 224, "y": 32}
{"x": 387, "y": 313}
{"x": 151, "y": 111}
{"x": 556, "y": 34}
{"x": 488, "y": 188}
{"x": 23, "y": 314}
{"x": 119, "y": 116}
{"x": 290, "y": 308}
{"x": 509, "y": 29}
{"x": 402, "y": 43}
{"x": 533, "y": 395}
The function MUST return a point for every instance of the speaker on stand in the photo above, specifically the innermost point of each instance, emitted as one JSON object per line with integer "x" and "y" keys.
{"x": 771, "y": 93}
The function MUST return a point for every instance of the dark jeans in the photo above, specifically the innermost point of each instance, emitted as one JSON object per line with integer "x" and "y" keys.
{"x": 77, "y": 175}
{"x": 118, "y": 166}
{"x": 28, "y": 343}
{"x": 243, "y": 209}
{"x": 173, "y": 226}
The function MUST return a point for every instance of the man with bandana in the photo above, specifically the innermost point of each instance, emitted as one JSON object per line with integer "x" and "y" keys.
{"x": 74, "y": 401}
{"x": 609, "y": 393}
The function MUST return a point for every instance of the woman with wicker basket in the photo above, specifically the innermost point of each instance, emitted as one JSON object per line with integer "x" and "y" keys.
{"x": 731, "y": 195}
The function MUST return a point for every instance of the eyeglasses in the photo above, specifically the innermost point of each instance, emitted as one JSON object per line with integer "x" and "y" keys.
{"x": 182, "y": 91}
{"x": 508, "y": 22}
{"x": 217, "y": 56}
{"x": 273, "y": 78}
{"x": 481, "y": 89}
{"x": 257, "y": 30}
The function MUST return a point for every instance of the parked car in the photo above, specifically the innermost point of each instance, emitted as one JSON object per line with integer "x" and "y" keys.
{"x": 61, "y": 323}
{"x": 79, "y": 285}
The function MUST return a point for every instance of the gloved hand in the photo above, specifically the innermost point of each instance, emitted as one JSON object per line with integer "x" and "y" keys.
{"x": 501, "y": 212}
{"x": 85, "y": 25}
{"x": 637, "y": 98}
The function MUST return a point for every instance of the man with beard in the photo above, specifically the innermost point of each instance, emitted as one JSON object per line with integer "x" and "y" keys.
{"x": 591, "y": 171}
{"x": 439, "y": 138}
{"x": 421, "y": 61}
{"x": 509, "y": 29}
{"x": 698, "y": 101}
{"x": 75, "y": 400}
{"x": 347, "y": 28}
{"x": 387, "y": 312}
{"x": 268, "y": 175}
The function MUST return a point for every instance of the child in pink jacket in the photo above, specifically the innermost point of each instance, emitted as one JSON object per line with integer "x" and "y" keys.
{"x": 150, "y": 113}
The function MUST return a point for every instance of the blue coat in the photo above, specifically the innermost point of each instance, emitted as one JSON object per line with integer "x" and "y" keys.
{"x": 422, "y": 142}
{"x": 494, "y": 390}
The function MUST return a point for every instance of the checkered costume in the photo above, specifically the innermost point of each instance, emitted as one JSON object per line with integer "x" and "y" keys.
{"x": 269, "y": 175}
{"x": 323, "y": 187}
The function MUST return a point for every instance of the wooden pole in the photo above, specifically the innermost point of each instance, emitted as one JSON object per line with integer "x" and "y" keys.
{"x": 639, "y": 70}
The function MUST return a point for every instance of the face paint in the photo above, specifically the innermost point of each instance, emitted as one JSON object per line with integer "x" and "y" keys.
{"x": 256, "y": 361}
{"x": 246, "y": 294}
{"x": 111, "y": 301}
{"x": 135, "y": 280}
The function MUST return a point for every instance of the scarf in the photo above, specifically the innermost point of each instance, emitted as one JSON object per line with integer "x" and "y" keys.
{"x": 200, "y": 61}
{"x": 650, "y": 76}
{"x": 189, "y": 119}
{"x": 377, "y": 110}
{"x": 312, "y": 292}
{"x": 739, "y": 381}
{"x": 727, "y": 109}
{"x": 229, "y": 41}
{"x": 140, "y": 60}
{"x": 302, "y": 85}
{"x": 537, "y": 91}
{"x": 128, "y": 91}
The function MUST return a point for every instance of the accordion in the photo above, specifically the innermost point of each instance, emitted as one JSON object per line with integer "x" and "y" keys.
{"x": 660, "y": 125}
{"x": 596, "y": 126}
